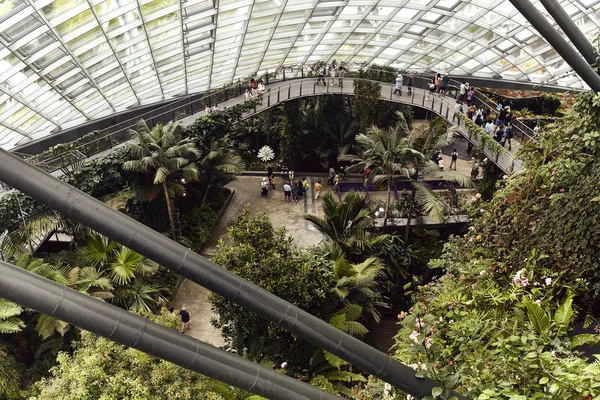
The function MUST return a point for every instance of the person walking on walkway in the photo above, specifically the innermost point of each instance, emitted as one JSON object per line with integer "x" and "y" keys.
{"x": 411, "y": 81}
{"x": 454, "y": 158}
{"x": 445, "y": 82}
{"x": 508, "y": 135}
{"x": 185, "y": 320}
{"x": 341, "y": 77}
{"x": 322, "y": 74}
{"x": 399, "y": 80}
{"x": 463, "y": 91}
{"x": 438, "y": 84}
{"x": 332, "y": 72}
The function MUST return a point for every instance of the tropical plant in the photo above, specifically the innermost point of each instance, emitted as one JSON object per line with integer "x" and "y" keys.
{"x": 133, "y": 374}
{"x": 163, "y": 152}
{"x": 384, "y": 153}
{"x": 113, "y": 266}
{"x": 345, "y": 226}
{"x": 265, "y": 256}
{"x": 219, "y": 166}
{"x": 358, "y": 284}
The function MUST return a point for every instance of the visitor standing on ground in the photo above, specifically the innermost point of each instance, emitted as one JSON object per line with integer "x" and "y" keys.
{"x": 318, "y": 188}
{"x": 287, "y": 192}
{"x": 445, "y": 82}
{"x": 291, "y": 175}
{"x": 305, "y": 184}
{"x": 411, "y": 81}
{"x": 399, "y": 80}
{"x": 341, "y": 77}
{"x": 207, "y": 109}
{"x": 331, "y": 176}
{"x": 185, "y": 320}
{"x": 265, "y": 187}
{"x": 454, "y": 158}
{"x": 474, "y": 170}
{"x": 269, "y": 171}
{"x": 438, "y": 84}
{"x": 441, "y": 163}
{"x": 469, "y": 148}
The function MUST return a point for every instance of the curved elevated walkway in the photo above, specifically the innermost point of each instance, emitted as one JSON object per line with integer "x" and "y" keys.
{"x": 280, "y": 92}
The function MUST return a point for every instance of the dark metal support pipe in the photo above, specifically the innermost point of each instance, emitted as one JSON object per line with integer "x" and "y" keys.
{"x": 571, "y": 30}
{"x": 40, "y": 294}
{"x": 574, "y": 59}
{"x": 81, "y": 207}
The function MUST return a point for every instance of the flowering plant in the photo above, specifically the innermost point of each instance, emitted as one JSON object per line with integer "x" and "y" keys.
{"x": 266, "y": 154}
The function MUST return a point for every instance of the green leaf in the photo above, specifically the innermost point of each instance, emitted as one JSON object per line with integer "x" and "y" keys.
{"x": 544, "y": 380}
{"x": 436, "y": 391}
{"x": 538, "y": 318}
{"x": 584, "y": 338}
{"x": 563, "y": 315}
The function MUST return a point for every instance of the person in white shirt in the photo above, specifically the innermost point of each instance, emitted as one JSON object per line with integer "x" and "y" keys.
{"x": 207, "y": 109}
{"x": 287, "y": 191}
{"x": 261, "y": 87}
{"x": 441, "y": 163}
{"x": 247, "y": 95}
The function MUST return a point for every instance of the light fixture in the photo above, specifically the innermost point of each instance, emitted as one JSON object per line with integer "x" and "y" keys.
{"x": 184, "y": 194}
{"x": 182, "y": 180}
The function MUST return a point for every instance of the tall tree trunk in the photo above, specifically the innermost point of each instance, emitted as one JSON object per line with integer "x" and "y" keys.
{"x": 409, "y": 217}
{"x": 389, "y": 200}
{"x": 206, "y": 193}
{"x": 170, "y": 211}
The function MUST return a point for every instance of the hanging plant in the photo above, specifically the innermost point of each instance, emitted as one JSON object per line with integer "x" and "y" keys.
{"x": 266, "y": 154}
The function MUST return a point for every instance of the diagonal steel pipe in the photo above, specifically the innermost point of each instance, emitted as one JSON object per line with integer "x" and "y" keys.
{"x": 81, "y": 207}
{"x": 562, "y": 47}
{"x": 571, "y": 30}
{"x": 43, "y": 295}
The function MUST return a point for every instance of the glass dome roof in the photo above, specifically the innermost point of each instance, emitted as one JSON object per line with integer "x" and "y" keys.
{"x": 65, "y": 62}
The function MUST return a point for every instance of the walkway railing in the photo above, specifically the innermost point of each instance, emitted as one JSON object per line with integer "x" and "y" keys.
{"x": 188, "y": 111}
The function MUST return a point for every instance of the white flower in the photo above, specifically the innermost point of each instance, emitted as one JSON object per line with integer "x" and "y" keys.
{"x": 548, "y": 281}
{"x": 539, "y": 302}
{"x": 505, "y": 177}
{"x": 481, "y": 210}
{"x": 482, "y": 272}
{"x": 266, "y": 154}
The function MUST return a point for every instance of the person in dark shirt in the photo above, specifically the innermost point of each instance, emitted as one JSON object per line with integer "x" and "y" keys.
{"x": 185, "y": 320}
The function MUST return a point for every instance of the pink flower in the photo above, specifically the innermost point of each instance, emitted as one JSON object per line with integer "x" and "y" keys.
{"x": 481, "y": 210}
{"x": 414, "y": 337}
{"x": 516, "y": 280}
{"x": 525, "y": 282}
{"x": 478, "y": 195}
{"x": 562, "y": 190}
{"x": 420, "y": 323}
{"x": 428, "y": 342}
{"x": 451, "y": 362}
{"x": 432, "y": 329}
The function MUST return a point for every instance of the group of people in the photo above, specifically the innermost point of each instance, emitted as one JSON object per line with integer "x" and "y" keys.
{"x": 255, "y": 88}
{"x": 292, "y": 191}
{"x": 498, "y": 125}
{"x": 334, "y": 71}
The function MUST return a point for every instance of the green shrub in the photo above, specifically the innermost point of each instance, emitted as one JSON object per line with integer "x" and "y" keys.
{"x": 197, "y": 225}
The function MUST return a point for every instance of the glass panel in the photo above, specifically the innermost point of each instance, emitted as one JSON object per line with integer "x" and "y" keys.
{"x": 76, "y": 22}
{"x": 22, "y": 27}
{"x": 157, "y": 5}
{"x": 58, "y": 7}
{"x": 7, "y": 6}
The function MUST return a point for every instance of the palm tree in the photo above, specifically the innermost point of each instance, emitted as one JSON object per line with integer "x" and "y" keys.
{"x": 219, "y": 166}
{"x": 359, "y": 284}
{"x": 345, "y": 225}
{"x": 420, "y": 148}
{"x": 127, "y": 272}
{"x": 383, "y": 152}
{"x": 163, "y": 152}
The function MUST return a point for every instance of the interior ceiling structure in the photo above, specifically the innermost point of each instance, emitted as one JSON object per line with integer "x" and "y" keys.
{"x": 65, "y": 62}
